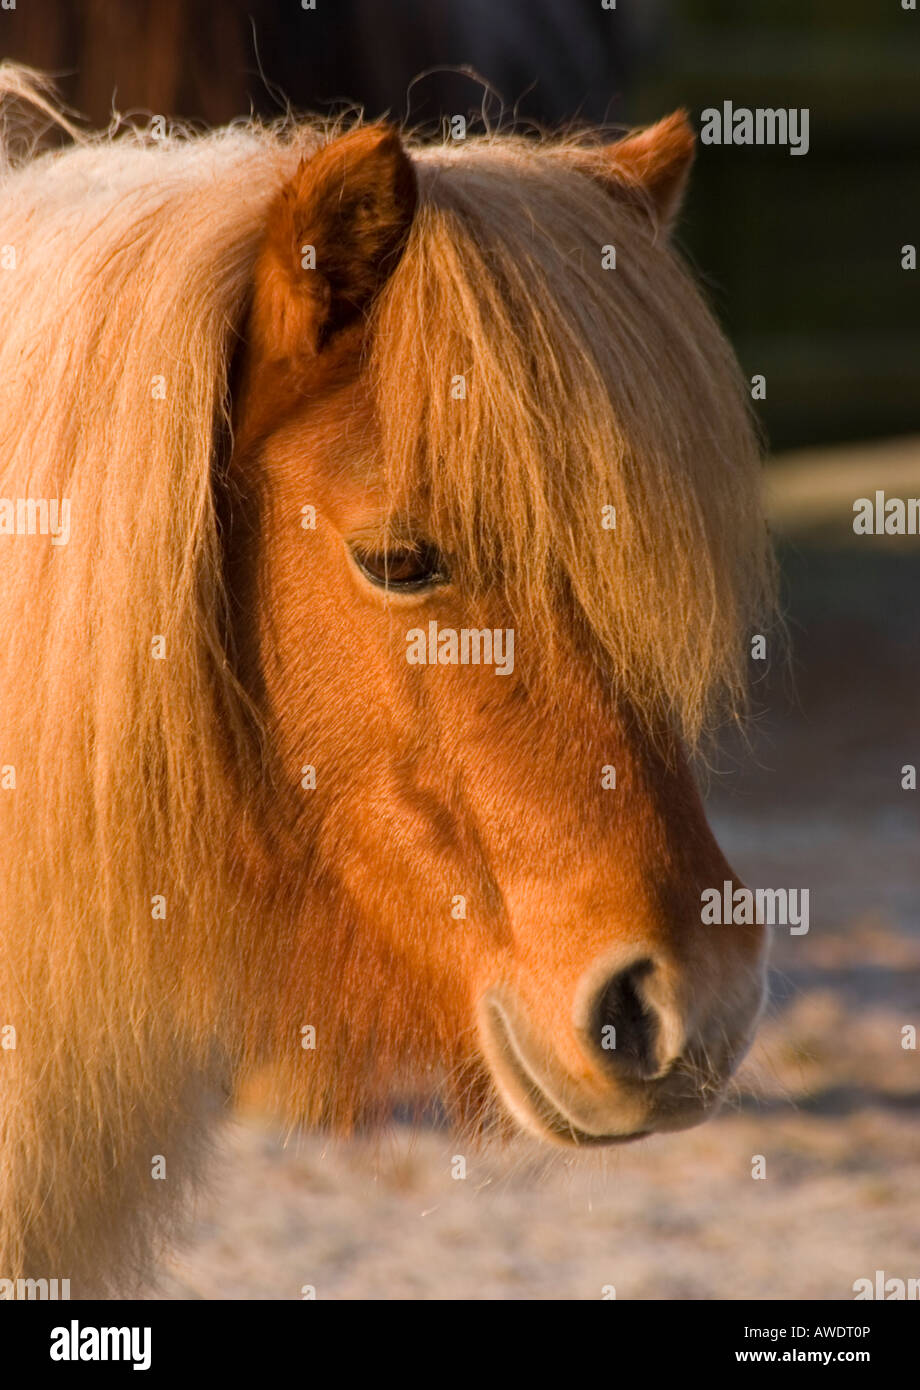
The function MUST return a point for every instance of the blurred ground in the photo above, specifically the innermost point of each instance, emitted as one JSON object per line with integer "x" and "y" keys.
{"x": 829, "y": 1097}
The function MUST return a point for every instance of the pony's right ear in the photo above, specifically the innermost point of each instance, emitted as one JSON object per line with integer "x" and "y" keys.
{"x": 333, "y": 236}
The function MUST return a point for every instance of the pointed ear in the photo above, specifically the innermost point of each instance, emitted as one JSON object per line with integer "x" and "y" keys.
{"x": 333, "y": 236}
{"x": 650, "y": 167}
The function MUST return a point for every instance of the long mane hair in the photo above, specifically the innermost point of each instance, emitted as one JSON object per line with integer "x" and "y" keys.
{"x": 121, "y": 305}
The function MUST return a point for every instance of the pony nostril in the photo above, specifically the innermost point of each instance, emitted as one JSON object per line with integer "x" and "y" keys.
{"x": 625, "y": 1028}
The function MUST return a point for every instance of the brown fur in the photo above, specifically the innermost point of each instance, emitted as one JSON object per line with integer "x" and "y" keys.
{"x": 181, "y": 777}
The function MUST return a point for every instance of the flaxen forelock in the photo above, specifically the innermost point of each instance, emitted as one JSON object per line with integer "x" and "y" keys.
{"x": 585, "y": 388}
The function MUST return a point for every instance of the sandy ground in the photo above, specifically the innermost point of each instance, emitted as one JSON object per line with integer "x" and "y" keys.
{"x": 829, "y": 1098}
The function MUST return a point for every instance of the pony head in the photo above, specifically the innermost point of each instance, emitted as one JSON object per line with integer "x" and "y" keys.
{"x": 415, "y": 541}
{"x": 499, "y": 546}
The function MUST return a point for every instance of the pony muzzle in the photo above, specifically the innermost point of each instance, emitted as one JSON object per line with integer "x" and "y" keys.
{"x": 632, "y": 1064}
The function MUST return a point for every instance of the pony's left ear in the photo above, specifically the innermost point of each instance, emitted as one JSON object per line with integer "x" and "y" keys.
{"x": 650, "y": 167}
{"x": 333, "y": 236}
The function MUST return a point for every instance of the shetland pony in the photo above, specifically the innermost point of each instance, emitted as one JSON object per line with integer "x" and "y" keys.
{"x": 307, "y": 391}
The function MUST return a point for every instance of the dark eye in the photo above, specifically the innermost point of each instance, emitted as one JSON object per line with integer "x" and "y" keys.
{"x": 403, "y": 567}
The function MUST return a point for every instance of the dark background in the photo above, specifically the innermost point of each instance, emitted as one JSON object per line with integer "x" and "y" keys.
{"x": 801, "y": 254}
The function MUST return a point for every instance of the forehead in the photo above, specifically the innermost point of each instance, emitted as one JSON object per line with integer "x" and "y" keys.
{"x": 328, "y": 444}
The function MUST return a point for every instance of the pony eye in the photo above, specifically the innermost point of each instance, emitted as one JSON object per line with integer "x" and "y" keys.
{"x": 402, "y": 568}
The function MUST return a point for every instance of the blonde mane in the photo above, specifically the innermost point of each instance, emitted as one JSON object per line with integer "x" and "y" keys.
{"x": 132, "y": 263}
